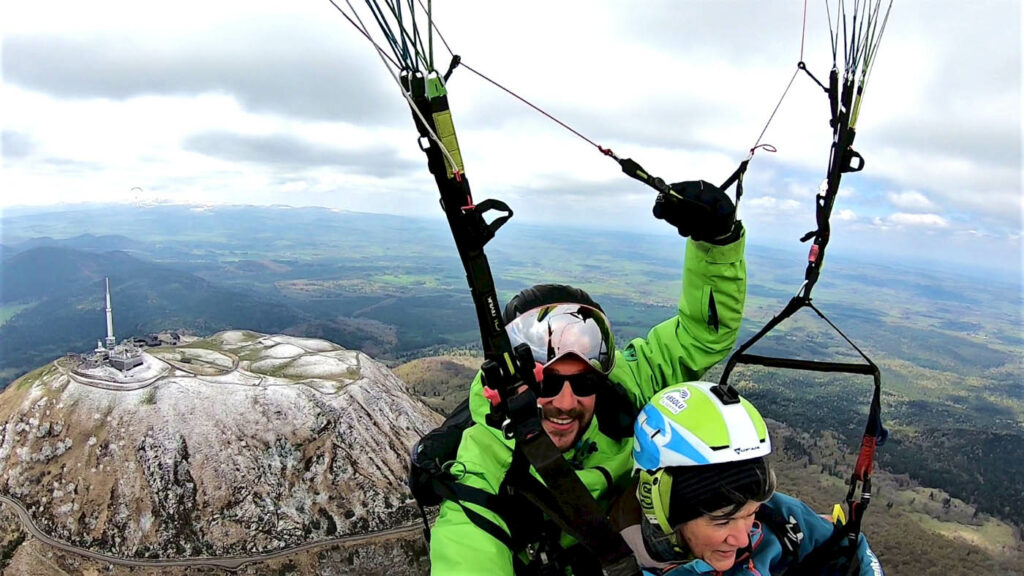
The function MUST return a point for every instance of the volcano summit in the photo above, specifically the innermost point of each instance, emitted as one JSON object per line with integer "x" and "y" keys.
{"x": 238, "y": 444}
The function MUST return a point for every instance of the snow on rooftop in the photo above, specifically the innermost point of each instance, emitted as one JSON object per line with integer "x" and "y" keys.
{"x": 150, "y": 368}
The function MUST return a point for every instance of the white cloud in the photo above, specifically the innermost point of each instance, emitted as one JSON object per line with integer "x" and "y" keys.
{"x": 911, "y": 200}
{"x": 770, "y": 204}
{"x": 919, "y": 220}
{"x": 684, "y": 88}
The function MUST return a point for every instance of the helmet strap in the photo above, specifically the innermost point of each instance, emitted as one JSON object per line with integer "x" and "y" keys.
{"x": 653, "y": 492}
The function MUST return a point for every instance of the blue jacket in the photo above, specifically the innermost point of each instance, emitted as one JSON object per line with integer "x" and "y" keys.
{"x": 766, "y": 555}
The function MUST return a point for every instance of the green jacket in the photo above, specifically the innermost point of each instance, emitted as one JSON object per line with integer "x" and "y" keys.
{"x": 677, "y": 350}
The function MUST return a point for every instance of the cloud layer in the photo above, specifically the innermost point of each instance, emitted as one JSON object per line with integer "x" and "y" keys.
{"x": 264, "y": 102}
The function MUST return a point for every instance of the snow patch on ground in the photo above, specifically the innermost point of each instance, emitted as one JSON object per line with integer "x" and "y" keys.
{"x": 308, "y": 344}
{"x": 319, "y": 367}
{"x": 235, "y": 337}
{"x": 268, "y": 365}
{"x": 213, "y": 357}
{"x": 349, "y": 357}
{"x": 282, "y": 351}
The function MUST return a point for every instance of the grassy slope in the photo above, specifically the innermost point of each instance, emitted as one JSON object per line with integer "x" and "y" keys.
{"x": 912, "y": 528}
{"x": 442, "y": 381}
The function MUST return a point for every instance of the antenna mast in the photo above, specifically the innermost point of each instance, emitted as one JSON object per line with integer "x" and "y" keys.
{"x": 110, "y": 340}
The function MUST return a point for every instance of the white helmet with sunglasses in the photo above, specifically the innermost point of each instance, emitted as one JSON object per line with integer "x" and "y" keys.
{"x": 558, "y": 321}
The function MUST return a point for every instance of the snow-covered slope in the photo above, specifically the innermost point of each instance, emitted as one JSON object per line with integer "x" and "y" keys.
{"x": 239, "y": 443}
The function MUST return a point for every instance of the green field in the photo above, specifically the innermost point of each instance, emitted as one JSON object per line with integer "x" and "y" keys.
{"x": 8, "y": 312}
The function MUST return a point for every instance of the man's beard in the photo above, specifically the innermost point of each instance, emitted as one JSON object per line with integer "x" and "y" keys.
{"x": 561, "y": 437}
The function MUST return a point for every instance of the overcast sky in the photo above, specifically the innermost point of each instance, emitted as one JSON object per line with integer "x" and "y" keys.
{"x": 285, "y": 103}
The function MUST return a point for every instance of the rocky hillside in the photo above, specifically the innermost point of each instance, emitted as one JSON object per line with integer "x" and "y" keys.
{"x": 237, "y": 444}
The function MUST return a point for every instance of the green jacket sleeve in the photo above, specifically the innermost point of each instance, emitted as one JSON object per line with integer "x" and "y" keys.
{"x": 703, "y": 332}
{"x": 457, "y": 546}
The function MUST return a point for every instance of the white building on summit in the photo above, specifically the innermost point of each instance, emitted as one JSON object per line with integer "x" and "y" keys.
{"x": 123, "y": 356}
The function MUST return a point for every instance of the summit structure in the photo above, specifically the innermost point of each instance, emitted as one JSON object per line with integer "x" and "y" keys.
{"x": 110, "y": 340}
{"x": 108, "y": 352}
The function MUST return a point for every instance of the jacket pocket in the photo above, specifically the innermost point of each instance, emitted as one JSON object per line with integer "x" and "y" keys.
{"x": 709, "y": 310}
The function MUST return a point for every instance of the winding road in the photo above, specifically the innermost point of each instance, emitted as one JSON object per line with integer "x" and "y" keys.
{"x": 231, "y": 563}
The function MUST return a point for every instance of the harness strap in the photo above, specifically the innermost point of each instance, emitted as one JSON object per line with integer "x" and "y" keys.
{"x": 737, "y": 177}
{"x": 574, "y": 510}
{"x": 875, "y": 433}
{"x": 831, "y": 551}
{"x": 836, "y": 549}
{"x": 788, "y": 532}
{"x": 459, "y": 493}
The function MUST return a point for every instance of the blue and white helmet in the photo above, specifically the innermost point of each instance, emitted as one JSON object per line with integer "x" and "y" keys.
{"x": 687, "y": 425}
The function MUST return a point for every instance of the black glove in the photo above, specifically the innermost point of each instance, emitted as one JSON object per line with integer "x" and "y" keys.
{"x": 700, "y": 210}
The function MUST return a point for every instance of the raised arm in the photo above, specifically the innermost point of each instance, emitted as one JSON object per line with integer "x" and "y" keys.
{"x": 705, "y": 327}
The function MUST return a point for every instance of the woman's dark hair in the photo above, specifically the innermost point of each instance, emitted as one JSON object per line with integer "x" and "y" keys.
{"x": 718, "y": 490}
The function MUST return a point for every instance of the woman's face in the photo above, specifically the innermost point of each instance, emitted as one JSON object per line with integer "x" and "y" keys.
{"x": 715, "y": 539}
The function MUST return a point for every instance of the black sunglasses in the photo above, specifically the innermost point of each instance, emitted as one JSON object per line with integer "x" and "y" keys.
{"x": 584, "y": 384}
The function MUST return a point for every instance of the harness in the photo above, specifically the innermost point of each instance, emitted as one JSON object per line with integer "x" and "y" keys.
{"x": 534, "y": 516}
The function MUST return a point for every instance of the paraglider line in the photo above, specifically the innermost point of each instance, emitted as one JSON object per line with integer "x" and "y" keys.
{"x": 364, "y": 33}
{"x": 772, "y": 117}
{"x": 602, "y": 149}
{"x": 803, "y": 32}
{"x": 438, "y": 30}
{"x": 535, "y": 107}
{"x": 405, "y": 93}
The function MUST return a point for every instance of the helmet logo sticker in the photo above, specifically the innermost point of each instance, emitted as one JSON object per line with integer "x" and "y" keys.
{"x": 675, "y": 401}
{"x": 646, "y": 498}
